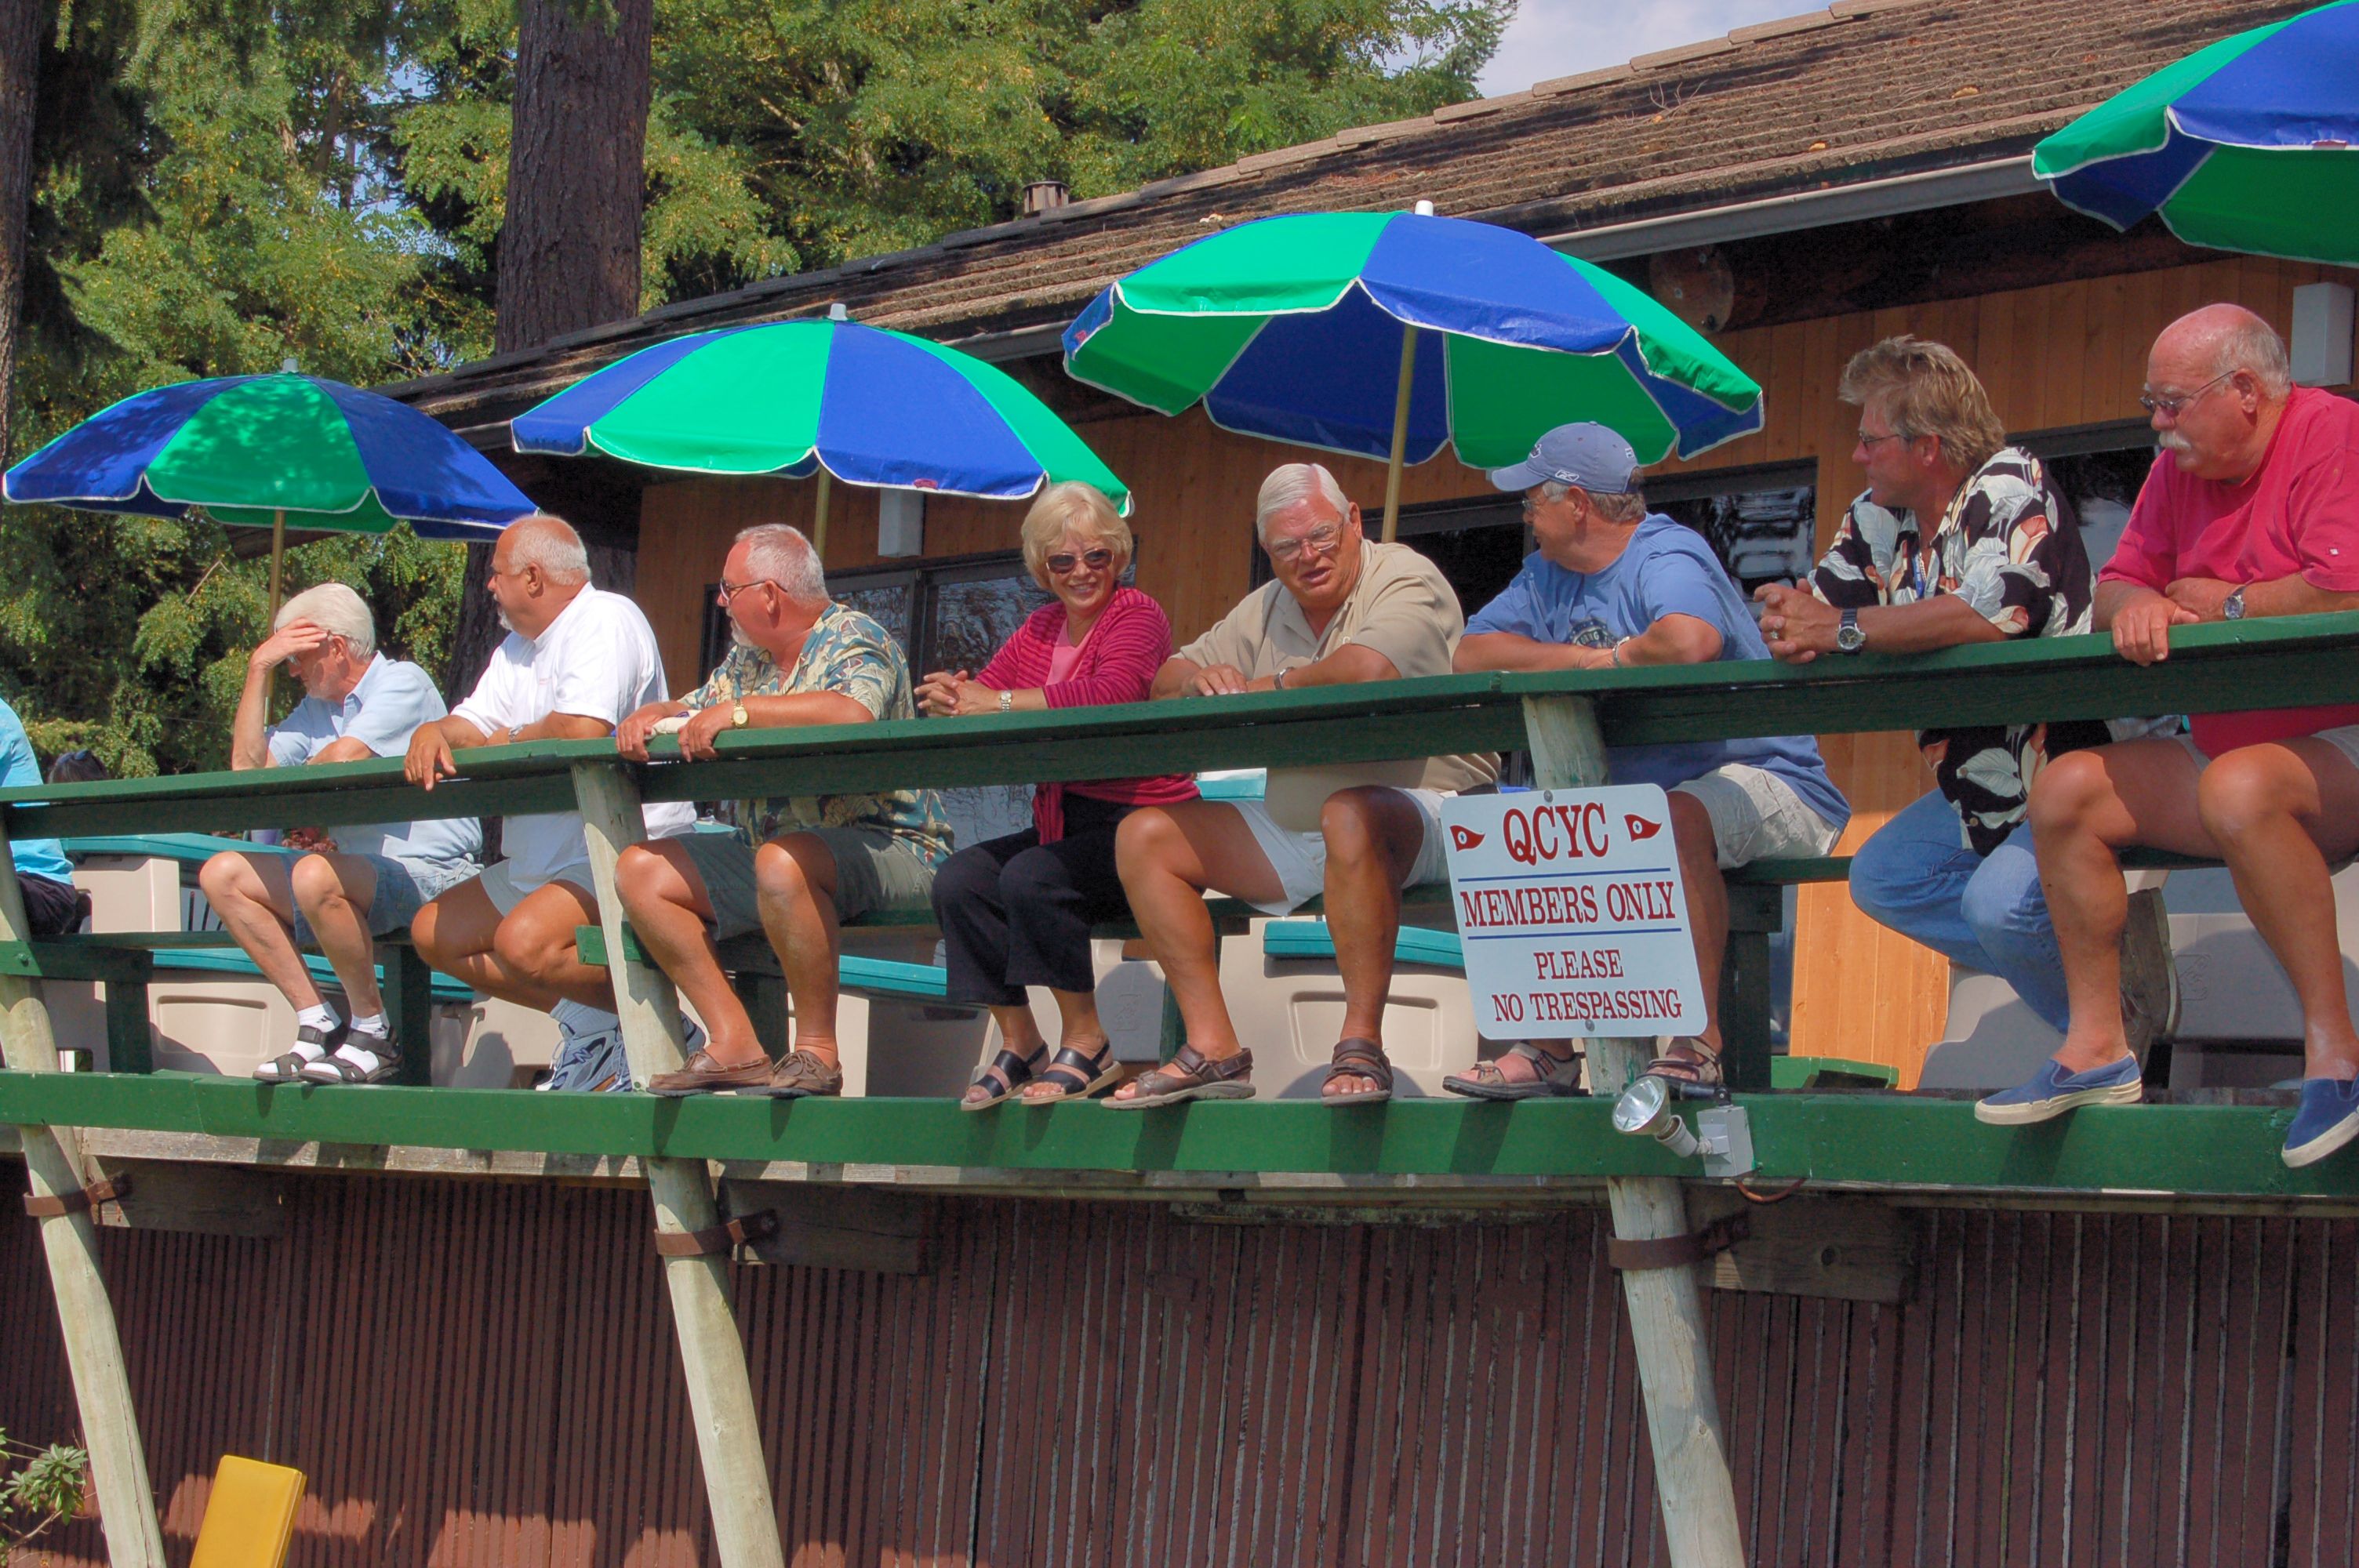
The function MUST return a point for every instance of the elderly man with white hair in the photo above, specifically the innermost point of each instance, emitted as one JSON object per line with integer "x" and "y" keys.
{"x": 2248, "y": 512}
{"x": 365, "y": 881}
{"x": 796, "y": 867}
{"x": 1341, "y": 610}
{"x": 577, "y": 660}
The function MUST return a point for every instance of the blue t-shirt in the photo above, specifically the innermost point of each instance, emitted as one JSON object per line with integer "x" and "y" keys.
{"x": 1668, "y": 570}
{"x": 390, "y": 701}
{"x": 34, "y": 857}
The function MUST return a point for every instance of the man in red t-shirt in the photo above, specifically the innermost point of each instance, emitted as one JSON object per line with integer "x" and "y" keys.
{"x": 2252, "y": 509}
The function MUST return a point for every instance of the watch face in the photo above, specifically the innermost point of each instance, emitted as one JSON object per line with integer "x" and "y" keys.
{"x": 1850, "y": 638}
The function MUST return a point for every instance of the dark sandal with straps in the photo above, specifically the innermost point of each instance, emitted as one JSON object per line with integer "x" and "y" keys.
{"x": 1487, "y": 1080}
{"x": 1691, "y": 1078}
{"x": 1006, "y": 1073}
{"x": 1189, "y": 1076}
{"x": 1073, "y": 1074}
{"x": 1358, "y": 1058}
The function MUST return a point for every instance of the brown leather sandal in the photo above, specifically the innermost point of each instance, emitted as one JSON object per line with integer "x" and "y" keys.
{"x": 1358, "y": 1058}
{"x": 1692, "y": 1078}
{"x": 1190, "y": 1076}
{"x": 1488, "y": 1080}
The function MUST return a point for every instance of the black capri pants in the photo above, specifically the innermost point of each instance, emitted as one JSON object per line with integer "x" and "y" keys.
{"x": 1017, "y": 912}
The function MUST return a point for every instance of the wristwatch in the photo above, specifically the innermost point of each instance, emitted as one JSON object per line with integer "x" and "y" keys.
{"x": 1849, "y": 638}
{"x": 738, "y": 716}
{"x": 1008, "y": 702}
{"x": 2232, "y": 607}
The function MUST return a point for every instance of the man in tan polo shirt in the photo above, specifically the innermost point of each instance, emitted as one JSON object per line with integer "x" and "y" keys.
{"x": 1341, "y": 610}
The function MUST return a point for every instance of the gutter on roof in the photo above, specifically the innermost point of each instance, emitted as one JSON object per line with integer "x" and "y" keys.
{"x": 1852, "y": 203}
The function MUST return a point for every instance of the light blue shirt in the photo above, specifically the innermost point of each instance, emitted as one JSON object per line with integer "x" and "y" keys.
{"x": 1667, "y": 570}
{"x": 34, "y": 857}
{"x": 390, "y": 701}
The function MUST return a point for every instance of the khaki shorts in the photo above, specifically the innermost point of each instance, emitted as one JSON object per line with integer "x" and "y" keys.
{"x": 501, "y": 887}
{"x": 2344, "y": 740}
{"x": 1300, "y": 859}
{"x": 873, "y": 871}
{"x": 1756, "y": 815}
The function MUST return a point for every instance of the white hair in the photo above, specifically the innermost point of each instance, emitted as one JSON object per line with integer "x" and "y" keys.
{"x": 550, "y": 543}
{"x": 335, "y": 609}
{"x": 2247, "y": 343}
{"x": 779, "y": 554}
{"x": 1289, "y": 485}
{"x": 1627, "y": 507}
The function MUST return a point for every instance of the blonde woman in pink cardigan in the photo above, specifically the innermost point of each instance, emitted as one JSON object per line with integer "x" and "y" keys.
{"x": 1017, "y": 912}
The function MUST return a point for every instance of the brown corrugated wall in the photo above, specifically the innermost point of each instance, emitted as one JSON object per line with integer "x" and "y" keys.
{"x": 484, "y": 1374}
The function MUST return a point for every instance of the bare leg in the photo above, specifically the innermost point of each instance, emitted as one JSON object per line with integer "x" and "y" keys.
{"x": 1168, "y": 856}
{"x": 1707, "y": 897}
{"x": 335, "y": 892}
{"x": 2085, "y": 809}
{"x": 794, "y": 875}
{"x": 454, "y": 933}
{"x": 1373, "y": 838}
{"x": 2278, "y": 812}
{"x": 538, "y": 940}
{"x": 255, "y": 896}
{"x": 667, "y": 905}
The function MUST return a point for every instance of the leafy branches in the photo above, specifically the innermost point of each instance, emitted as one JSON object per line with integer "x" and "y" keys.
{"x": 37, "y": 1488}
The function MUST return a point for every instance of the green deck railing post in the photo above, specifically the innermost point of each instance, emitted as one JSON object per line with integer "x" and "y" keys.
{"x": 713, "y": 1354}
{"x": 1667, "y": 1321}
{"x": 53, "y": 1155}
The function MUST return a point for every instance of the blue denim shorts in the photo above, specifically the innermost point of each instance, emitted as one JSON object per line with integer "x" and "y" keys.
{"x": 403, "y": 888}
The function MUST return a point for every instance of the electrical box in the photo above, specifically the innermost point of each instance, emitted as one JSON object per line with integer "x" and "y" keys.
{"x": 2322, "y": 334}
{"x": 901, "y": 522}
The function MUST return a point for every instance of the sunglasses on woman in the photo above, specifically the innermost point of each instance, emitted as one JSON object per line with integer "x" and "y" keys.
{"x": 1096, "y": 560}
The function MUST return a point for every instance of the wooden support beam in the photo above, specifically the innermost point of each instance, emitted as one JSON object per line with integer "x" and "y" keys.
{"x": 713, "y": 1355}
{"x": 118, "y": 1460}
{"x": 1666, "y": 1321}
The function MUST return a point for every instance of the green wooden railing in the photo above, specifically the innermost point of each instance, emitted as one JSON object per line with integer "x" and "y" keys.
{"x": 2282, "y": 663}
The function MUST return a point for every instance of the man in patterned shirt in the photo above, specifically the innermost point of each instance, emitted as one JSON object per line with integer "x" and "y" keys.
{"x": 798, "y": 867}
{"x": 1958, "y": 538}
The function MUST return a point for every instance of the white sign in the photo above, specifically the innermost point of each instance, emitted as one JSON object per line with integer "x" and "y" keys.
{"x": 1571, "y": 909}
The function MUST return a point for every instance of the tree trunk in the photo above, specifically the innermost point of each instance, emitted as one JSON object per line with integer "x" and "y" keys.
{"x": 568, "y": 251}
{"x": 20, "y": 55}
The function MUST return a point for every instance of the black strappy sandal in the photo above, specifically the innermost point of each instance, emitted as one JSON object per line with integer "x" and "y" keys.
{"x": 1006, "y": 1073}
{"x": 1073, "y": 1074}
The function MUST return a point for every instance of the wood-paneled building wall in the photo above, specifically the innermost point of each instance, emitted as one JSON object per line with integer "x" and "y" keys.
{"x": 2054, "y": 357}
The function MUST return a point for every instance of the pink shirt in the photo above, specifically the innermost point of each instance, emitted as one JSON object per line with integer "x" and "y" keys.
{"x": 2297, "y": 514}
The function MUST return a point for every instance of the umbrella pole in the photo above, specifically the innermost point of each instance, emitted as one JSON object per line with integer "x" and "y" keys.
{"x": 277, "y": 569}
{"x": 1400, "y": 434}
{"x": 819, "y": 520}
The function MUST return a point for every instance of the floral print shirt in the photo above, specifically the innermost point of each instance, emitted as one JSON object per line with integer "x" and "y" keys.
{"x": 2010, "y": 546}
{"x": 849, "y": 654}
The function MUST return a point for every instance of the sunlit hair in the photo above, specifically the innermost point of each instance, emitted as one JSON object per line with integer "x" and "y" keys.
{"x": 1630, "y": 506}
{"x": 1078, "y": 508}
{"x": 550, "y": 544}
{"x": 779, "y": 554}
{"x": 335, "y": 609}
{"x": 1289, "y": 485}
{"x": 2245, "y": 343}
{"x": 1924, "y": 389}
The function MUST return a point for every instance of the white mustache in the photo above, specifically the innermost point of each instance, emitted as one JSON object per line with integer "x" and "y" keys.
{"x": 2172, "y": 441}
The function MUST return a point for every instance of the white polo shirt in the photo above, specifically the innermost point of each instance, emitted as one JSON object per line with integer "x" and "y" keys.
{"x": 597, "y": 659}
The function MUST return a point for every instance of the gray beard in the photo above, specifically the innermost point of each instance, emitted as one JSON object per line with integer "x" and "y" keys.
{"x": 737, "y": 638}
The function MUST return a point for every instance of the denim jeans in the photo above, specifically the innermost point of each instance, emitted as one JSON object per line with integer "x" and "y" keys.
{"x": 1916, "y": 876}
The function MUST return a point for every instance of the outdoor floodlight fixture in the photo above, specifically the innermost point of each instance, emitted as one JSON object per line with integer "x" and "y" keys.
{"x": 1645, "y": 1110}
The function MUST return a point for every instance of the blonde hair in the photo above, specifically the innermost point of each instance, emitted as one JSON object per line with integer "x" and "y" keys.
{"x": 1081, "y": 508}
{"x": 1925, "y": 389}
{"x": 335, "y": 609}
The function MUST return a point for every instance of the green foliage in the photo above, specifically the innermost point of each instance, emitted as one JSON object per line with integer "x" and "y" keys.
{"x": 38, "y": 1487}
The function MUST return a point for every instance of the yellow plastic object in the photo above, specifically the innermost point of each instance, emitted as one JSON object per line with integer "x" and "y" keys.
{"x": 250, "y": 1516}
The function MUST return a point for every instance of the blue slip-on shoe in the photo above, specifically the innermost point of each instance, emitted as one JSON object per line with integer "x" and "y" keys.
{"x": 2327, "y": 1118}
{"x": 2052, "y": 1091}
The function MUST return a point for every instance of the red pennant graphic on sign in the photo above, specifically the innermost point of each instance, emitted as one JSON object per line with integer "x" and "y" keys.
{"x": 1640, "y": 827}
{"x": 1463, "y": 837}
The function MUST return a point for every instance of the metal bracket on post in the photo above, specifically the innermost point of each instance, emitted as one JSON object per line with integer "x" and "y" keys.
{"x": 1666, "y": 1305}
{"x": 712, "y": 1352}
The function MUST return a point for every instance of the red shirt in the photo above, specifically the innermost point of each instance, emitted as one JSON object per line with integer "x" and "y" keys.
{"x": 1116, "y": 663}
{"x": 2297, "y": 515}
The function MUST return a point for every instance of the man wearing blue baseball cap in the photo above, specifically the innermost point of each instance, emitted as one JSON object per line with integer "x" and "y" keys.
{"x": 1613, "y": 585}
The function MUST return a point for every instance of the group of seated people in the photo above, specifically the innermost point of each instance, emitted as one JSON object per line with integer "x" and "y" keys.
{"x": 2011, "y": 866}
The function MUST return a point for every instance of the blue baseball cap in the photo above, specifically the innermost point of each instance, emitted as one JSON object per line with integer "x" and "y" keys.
{"x": 1586, "y": 455}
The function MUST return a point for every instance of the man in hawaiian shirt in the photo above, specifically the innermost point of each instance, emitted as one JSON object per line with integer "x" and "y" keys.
{"x": 1958, "y": 538}
{"x": 795, "y": 867}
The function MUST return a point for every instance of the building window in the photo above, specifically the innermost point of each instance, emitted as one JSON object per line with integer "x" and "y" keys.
{"x": 2098, "y": 469}
{"x": 1762, "y": 522}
